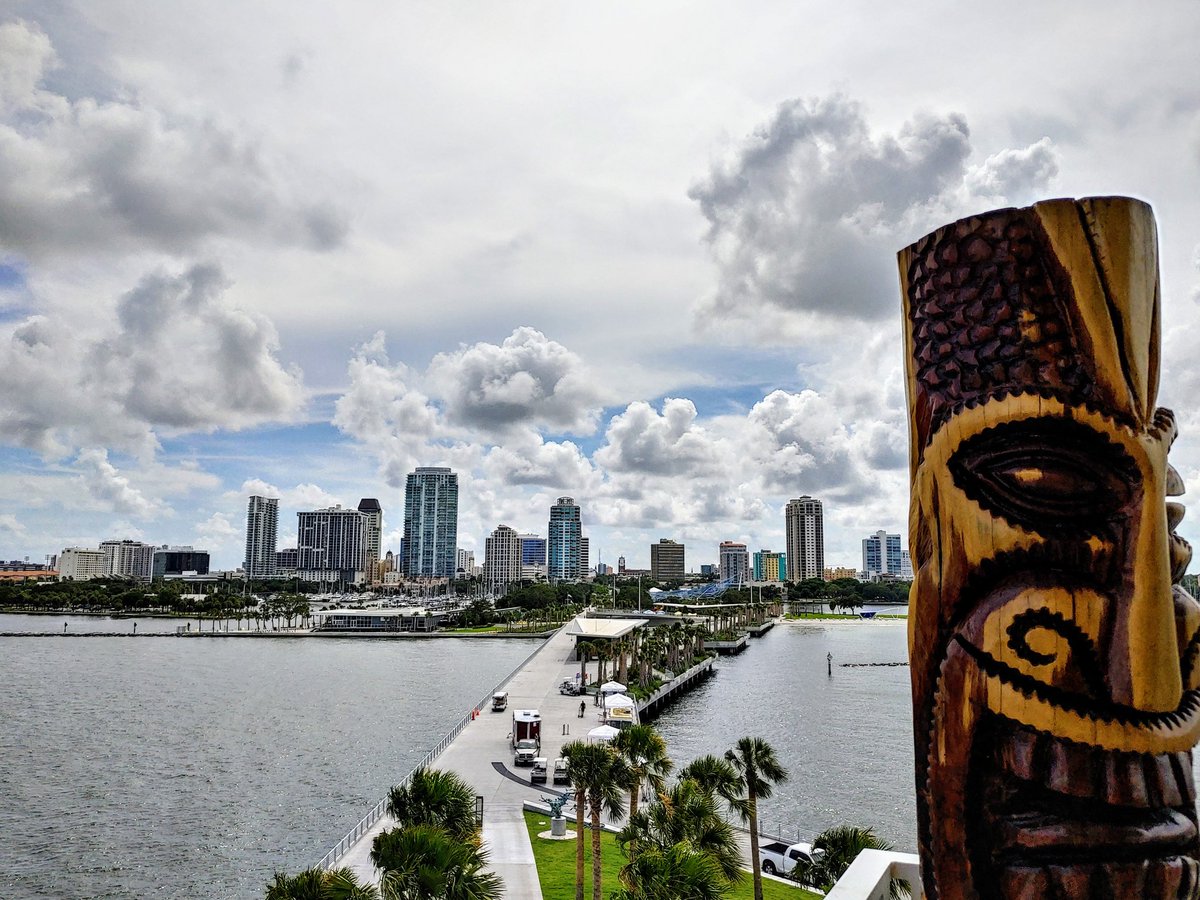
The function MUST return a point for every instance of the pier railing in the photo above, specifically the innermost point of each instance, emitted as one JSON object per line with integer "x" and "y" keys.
{"x": 367, "y": 822}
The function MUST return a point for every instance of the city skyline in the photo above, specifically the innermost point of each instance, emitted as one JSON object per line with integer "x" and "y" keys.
{"x": 285, "y": 260}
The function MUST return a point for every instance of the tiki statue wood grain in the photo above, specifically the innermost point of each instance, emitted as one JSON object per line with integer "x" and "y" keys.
{"x": 1054, "y": 655}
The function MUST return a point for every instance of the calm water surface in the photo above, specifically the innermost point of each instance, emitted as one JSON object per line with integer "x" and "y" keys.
{"x": 161, "y": 767}
{"x": 846, "y": 740}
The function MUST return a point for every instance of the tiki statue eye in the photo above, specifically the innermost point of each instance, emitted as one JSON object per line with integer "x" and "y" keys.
{"x": 1052, "y": 475}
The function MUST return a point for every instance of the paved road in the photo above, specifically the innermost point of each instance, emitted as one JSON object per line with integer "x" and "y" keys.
{"x": 484, "y": 743}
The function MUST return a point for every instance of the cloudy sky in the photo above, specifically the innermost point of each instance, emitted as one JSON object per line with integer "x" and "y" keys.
{"x": 639, "y": 254}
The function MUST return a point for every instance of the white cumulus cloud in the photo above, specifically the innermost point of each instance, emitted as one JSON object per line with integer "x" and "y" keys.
{"x": 807, "y": 215}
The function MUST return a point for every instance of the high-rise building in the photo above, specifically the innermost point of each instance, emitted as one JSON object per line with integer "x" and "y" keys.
{"x": 906, "y": 572}
{"x": 770, "y": 566}
{"x": 735, "y": 562}
{"x": 804, "y": 524}
{"x": 175, "y": 562}
{"x": 81, "y": 564}
{"x": 262, "y": 526}
{"x": 620, "y": 565}
{"x": 128, "y": 559}
{"x": 666, "y": 560}
{"x": 533, "y": 556}
{"x": 370, "y": 508}
{"x": 329, "y": 544}
{"x": 430, "y": 523}
{"x": 502, "y": 560}
{"x": 883, "y": 554}
{"x": 564, "y": 559}
{"x": 585, "y": 557}
{"x": 464, "y": 563}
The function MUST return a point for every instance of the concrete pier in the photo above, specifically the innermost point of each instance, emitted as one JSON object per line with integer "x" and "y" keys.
{"x": 482, "y": 755}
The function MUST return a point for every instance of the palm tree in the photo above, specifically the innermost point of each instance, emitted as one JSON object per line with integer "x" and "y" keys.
{"x": 716, "y": 777}
{"x": 571, "y": 752}
{"x": 757, "y": 768}
{"x": 435, "y": 797}
{"x": 834, "y": 850}
{"x": 685, "y": 815}
{"x": 423, "y": 862}
{"x": 645, "y": 753}
{"x": 602, "y": 775}
{"x": 676, "y": 873}
{"x": 584, "y": 649}
{"x": 319, "y": 884}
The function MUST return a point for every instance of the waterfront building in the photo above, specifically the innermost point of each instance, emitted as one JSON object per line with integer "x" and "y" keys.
{"x": 262, "y": 526}
{"x": 373, "y": 538}
{"x": 287, "y": 561}
{"x": 882, "y": 554}
{"x": 533, "y": 557}
{"x": 667, "y": 560}
{"x": 906, "y": 572}
{"x": 565, "y": 560}
{"x": 430, "y": 523}
{"x": 329, "y": 545}
{"x": 176, "y": 562}
{"x": 805, "y": 528}
{"x": 734, "y": 562}
{"x": 128, "y": 559}
{"x": 464, "y": 563}
{"x": 770, "y": 566}
{"x": 502, "y": 560}
{"x": 839, "y": 572}
{"x": 81, "y": 564}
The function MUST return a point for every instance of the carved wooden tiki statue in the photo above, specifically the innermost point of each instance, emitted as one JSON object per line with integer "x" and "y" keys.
{"x": 1054, "y": 656}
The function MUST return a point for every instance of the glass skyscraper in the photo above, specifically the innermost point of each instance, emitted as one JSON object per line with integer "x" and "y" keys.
{"x": 564, "y": 542}
{"x": 430, "y": 523}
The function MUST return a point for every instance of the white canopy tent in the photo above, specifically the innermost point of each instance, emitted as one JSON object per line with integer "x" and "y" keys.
{"x": 602, "y": 735}
{"x": 612, "y": 687}
{"x": 612, "y": 701}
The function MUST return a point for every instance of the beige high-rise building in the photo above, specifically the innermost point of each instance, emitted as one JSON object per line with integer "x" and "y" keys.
{"x": 80, "y": 564}
{"x": 502, "y": 560}
{"x": 804, "y": 524}
{"x": 666, "y": 560}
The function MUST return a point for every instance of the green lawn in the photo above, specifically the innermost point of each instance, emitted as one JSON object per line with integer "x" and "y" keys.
{"x": 556, "y": 867}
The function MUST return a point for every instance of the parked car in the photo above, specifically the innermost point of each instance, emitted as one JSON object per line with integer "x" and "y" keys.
{"x": 526, "y": 752}
{"x": 562, "y": 771}
{"x": 778, "y": 858}
{"x": 570, "y": 688}
{"x": 538, "y": 773}
{"x": 499, "y": 701}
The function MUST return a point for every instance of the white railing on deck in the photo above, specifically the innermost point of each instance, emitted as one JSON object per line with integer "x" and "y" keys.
{"x": 367, "y": 822}
{"x": 870, "y": 876}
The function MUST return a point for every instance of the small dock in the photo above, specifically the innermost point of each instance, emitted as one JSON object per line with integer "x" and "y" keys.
{"x": 681, "y": 683}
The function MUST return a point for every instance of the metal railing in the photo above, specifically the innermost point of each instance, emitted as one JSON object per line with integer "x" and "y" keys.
{"x": 671, "y": 685}
{"x": 367, "y": 822}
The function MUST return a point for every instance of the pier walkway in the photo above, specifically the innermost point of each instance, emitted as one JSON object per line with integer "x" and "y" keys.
{"x": 481, "y": 754}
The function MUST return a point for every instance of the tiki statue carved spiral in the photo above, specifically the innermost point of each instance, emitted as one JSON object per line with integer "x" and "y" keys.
{"x": 1054, "y": 655}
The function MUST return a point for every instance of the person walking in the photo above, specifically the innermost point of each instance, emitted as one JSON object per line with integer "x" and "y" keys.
{"x": 582, "y": 708}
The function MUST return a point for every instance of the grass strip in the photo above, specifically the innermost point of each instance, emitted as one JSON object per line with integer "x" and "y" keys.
{"x": 556, "y": 867}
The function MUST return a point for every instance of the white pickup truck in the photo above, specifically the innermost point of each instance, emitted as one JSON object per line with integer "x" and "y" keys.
{"x": 778, "y": 858}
